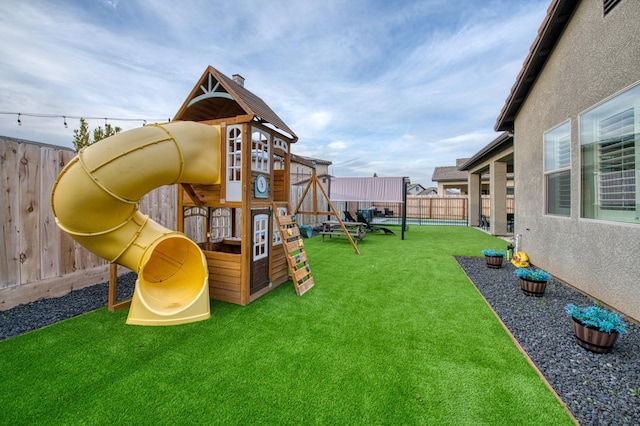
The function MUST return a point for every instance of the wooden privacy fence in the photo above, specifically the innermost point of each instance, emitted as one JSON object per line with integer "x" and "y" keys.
{"x": 429, "y": 207}
{"x": 37, "y": 259}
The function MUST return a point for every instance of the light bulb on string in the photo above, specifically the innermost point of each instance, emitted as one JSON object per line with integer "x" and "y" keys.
{"x": 66, "y": 126}
{"x": 19, "y": 122}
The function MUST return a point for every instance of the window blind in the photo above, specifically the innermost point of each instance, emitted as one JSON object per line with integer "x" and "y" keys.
{"x": 617, "y": 157}
{"x": 608, "y": 5}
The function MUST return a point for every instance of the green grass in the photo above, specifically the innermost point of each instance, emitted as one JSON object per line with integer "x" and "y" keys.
{"x": 395, "y": 335}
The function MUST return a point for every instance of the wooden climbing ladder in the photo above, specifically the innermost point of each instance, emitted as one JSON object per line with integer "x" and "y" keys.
{"x": 299, "y": 268}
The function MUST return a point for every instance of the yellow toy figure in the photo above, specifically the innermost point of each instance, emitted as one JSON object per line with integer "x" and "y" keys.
{"x": 520, "y": 260}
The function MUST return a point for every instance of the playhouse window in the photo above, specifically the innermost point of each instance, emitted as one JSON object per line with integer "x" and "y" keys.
{"x": 277, "y": 240}
{"x": 609, "y": 135}
{"x": 220, "y": 224}
{"x": 260, "y": 233}
{"x": 278, "y": 162}
{"x": 259, "y": 151}
{"x": 234, "y": 153}
{"x": 280, "y": 144}
{"x": 557, "y": 169}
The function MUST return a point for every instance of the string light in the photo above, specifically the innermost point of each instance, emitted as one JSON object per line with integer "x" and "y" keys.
{"x": 66, "y": 125}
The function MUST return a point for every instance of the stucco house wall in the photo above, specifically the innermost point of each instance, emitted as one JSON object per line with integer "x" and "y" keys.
{"x": 595, "y": 58}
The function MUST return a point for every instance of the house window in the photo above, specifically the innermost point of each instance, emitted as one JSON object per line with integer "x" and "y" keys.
{"x": 611, "y": 158}
{"x": 260, "y": 240}
{"x": 259, "y": 151}
{"x": 220, "y": 224}
{"x": 608, "y": 5}
{"x": 234, "y": 153}
{"x": 557, "y": 169}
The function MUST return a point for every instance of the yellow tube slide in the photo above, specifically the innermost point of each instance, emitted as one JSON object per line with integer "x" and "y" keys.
{"x": 95, "y": 200}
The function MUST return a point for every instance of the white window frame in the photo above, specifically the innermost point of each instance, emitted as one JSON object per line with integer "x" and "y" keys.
{"x": 234, "y": 163}
{"x": 610, "y": 158}
{"x": 234, "y": 153}
{"x": 220, "y": 224}
{"x": 260, "y": 150}
{"x": 557, "y": 166}
{"x": 260, "y": 240}
{"x": 277, "y": 240}
{"x": 281, "y": 144}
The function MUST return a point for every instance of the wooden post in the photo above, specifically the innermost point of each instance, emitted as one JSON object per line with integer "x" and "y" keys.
{"x": 112, "y": 303}
{"x": 314, "y": 181}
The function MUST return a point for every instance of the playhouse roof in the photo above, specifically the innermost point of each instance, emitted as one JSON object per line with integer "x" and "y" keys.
{"x": 217, "y": 96}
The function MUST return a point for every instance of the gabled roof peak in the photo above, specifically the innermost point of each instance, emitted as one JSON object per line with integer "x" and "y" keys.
{"x": 217, "y": 96}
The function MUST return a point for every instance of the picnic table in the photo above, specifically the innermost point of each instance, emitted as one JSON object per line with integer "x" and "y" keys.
{"x": 357, "y": 230}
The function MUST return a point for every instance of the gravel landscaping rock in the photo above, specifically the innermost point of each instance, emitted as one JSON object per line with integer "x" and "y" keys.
{"x": 595, "y": 387}
{"x": 44, "y": 312}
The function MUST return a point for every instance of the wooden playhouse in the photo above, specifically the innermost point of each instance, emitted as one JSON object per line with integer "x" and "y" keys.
{"x": 238, "y": 218}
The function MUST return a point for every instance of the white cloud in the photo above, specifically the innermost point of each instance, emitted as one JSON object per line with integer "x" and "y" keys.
{"x": 337, "y": 146}
{"x": 385, "y": 87}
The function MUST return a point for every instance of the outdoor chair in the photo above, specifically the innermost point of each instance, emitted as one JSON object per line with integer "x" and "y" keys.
{"x": 373, "y": 228}
{"x": 388, "y": 212}
{"x": 348, "y": 217}
{"x": 484, "y": 222}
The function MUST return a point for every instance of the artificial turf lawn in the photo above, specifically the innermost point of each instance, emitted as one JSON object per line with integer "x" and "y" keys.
{"x": 395, "y": 335}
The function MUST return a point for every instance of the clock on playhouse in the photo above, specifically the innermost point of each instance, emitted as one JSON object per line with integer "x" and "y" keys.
{"x": 261, "y": 187}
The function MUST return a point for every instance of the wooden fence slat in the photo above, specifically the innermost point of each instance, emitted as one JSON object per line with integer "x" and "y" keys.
{"x": 29, "y": 208}
{"x": 9, "y": 217}
{"x": 49, "y": 231}
{"x": 67, "y": 245}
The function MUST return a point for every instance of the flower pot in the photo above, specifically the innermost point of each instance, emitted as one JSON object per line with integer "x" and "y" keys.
{"x": 533, "y": 288}
{"x": 494, "y": 262}
{"x": 593, "y": 339}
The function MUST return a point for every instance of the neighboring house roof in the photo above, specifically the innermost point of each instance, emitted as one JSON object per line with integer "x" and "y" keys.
{"x": 308, "y": 178}
{"x": 549, "y": 33}
{"x": 414, "y": 186}
{"x": 460, "y": 161}
{"x": 502, "y": 142}
{"x": 217, "y": 96}
{"x": 296, "y": 159}
{"x": 448, "y": 174}
{"x": 429, "y": 191}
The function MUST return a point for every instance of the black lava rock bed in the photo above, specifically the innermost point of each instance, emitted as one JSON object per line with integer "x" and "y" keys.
{"x": 595, "y": 387}
{"x": 43, "y": 312}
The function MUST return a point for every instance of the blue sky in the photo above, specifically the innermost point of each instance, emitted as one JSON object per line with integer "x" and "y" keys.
{"x": 393, "y": 88}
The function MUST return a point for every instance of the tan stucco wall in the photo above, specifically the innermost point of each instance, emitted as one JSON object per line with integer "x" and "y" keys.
{"x": 595, "y": 58}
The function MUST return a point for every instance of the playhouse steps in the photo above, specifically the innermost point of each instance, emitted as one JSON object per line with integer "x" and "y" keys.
{"x": 293, "y": 246}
